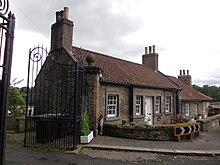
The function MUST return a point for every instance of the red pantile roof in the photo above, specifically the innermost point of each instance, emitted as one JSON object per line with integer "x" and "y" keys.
{"x": 124, "y": 72}
{"x": 189, "y": 93}
{"x": 120, "y": 71}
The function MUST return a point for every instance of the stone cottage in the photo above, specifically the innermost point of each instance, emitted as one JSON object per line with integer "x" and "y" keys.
{"x": 193, "y": 103}
{"x": 124, "y": 91}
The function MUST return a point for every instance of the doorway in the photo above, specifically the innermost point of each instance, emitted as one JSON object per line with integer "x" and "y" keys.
{"x": 149, "y": 110}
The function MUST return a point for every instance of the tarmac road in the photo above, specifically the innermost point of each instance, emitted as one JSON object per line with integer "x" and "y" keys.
{"x": 28, "y": 156}
{"x": 208, "y": 141}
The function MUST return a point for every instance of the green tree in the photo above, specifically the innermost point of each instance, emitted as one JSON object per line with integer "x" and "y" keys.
{"x": 211, "y": 91}
{"x": 16, "y": 104}
{"x": 31, "y": 95}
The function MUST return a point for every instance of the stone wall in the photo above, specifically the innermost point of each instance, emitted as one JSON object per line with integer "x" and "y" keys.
{"x": 159, "y": 118}
{"x": 123, "y": 111}
{"x": 20, "y": 125}
{"x": 123, "y": 106}
{"x": 215, "y": 104}
{"x": 165, "y": 133}
{"x": 209, "y": 122}
{"x": 16, "y": 124}
{"x": 11, "y": 122}
{"x": 55, "y": 84}
{"x": 196, "y": 108}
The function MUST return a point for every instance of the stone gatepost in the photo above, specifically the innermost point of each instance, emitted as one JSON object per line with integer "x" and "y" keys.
{"x": 93, "y": 77}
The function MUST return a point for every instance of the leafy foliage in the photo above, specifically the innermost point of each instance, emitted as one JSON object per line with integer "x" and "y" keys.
{"x": 84, "y": 124}
{"x": 16, "y": 102}
{"x": 31, "y": 95}
{"x": 211, "y": 91}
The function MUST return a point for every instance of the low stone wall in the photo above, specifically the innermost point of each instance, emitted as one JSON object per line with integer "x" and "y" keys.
{"x": 140, "y": 132}
{"x": 11, "y": 122}
{"x": 20, "y": 125}
{"x": 209, "y": 122}
{"x": 16, "y": 124}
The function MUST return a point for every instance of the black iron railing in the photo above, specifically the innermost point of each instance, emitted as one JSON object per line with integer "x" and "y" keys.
{"x": 57, "y": 95}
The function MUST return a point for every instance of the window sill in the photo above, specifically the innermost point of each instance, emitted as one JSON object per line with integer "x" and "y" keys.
{"x": 112, "y": 118}
{"x": 138, "y": 116}
{"x": 159, "y": 114}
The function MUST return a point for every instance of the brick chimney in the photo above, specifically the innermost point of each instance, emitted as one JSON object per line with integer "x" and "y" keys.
{"x": 62, "y": 31}
{"x": 150, "y": 59}
{"x": 185, "y": 77}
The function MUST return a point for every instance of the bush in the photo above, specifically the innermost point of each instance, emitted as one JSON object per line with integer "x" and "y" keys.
{"x": 84, "y": 124}
{"x": 16, "y": 102}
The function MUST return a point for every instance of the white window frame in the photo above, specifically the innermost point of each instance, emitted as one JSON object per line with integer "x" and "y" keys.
{"x": 158, "y": 104}
{"x": 168, "y": 104}
{"x": 139, "y": 100}
{"x": 112, "y": 107}
{"x": 187, "y": 109}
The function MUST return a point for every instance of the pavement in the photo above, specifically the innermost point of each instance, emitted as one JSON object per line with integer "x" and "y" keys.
{"x": 207, "y": 143}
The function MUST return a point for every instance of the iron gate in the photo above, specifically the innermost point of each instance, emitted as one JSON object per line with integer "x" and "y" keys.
{"x": 56, "y": 97}
{"x": 7, "y": 26}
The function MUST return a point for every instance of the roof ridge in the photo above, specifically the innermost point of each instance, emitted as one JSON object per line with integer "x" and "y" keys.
{"x": 119, "y": 70}
{"x": 185, "y": 86}
{"x": 200, "y": 92}
{"x": 113, "y": 57}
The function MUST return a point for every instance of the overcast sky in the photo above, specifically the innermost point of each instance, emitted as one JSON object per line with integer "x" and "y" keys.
{"x": 186, "y": 32}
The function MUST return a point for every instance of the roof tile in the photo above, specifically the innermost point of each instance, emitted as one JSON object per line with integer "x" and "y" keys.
{"x": 189, "y": 93}
{"x": 122, "y": 71}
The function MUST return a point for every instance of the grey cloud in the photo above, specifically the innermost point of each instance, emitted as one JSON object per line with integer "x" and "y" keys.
{"x": 213, "y": 78}
{"x": 102, "y": 30}
{"x": 95, "y": 26}
{"x": 208, "y": 82}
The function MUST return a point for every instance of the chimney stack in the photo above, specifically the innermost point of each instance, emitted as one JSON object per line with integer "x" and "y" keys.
{"x": 62, "y": 31}
{"x": 186, "y": 78}
{"x": 150, "y": 59}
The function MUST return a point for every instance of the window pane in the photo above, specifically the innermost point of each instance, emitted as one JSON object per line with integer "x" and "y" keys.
{"x": 112, "y": 106}
{"x": 138, "y": 104}
{"x": 187, "y": 109}
{"x": 168, "y": 104}
{"x": 158, "y": 105}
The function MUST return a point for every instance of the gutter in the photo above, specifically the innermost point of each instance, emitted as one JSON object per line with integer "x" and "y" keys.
{"x": 135, "y": 85}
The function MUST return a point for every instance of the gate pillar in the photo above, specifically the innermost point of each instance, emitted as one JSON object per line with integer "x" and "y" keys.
{"x": 93, "y": 96}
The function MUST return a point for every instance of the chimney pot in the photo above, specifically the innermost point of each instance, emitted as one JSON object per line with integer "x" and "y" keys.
{"x": 153, "y": 48}
{"x": 146, "y": 50}
{"x": 149, "y": 49}
{"x": 180, "y": 72}
{"x": 187, "y": 72}
{"x": 59, "y": 15}
{"x": 183, "y": 71}
{"x": 66, "y": 13}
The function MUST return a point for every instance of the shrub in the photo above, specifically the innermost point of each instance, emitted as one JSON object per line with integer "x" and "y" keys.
{"x": 84, "y": 124}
